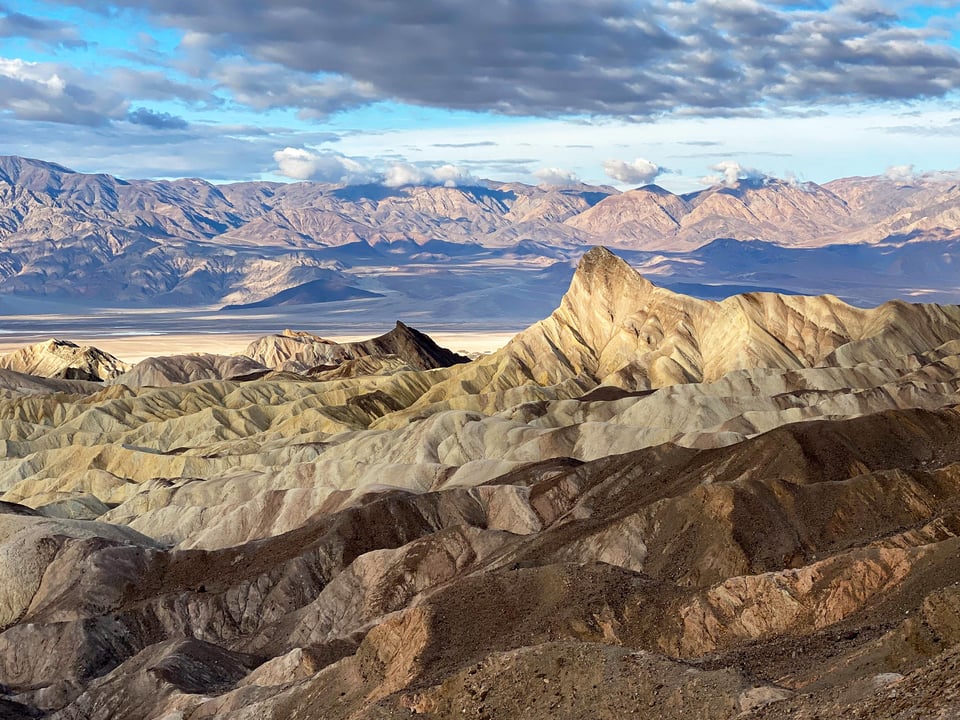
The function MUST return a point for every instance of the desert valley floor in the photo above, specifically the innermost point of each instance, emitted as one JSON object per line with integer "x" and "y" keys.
{"x": 644, "y": 505}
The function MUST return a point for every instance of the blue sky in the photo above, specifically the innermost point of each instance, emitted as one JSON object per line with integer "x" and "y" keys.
{"x": 622, "y": 92}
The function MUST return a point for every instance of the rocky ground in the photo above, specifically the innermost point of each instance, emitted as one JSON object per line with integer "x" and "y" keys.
{"x": 643, "y": 506}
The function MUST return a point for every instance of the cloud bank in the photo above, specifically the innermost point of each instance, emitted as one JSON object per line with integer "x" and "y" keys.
{"x": 328, "y": 167}
{"x": 331, "y": 167}
{"x": 624, "y": 58}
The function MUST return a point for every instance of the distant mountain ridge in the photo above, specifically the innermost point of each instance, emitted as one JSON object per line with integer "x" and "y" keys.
{"x": 96, "y": 238}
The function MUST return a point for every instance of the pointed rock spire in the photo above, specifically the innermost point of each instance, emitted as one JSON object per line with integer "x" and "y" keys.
{"x": 600, "y": 269}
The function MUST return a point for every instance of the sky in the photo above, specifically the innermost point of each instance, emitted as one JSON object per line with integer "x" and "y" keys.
{"x": 684, "y": 93}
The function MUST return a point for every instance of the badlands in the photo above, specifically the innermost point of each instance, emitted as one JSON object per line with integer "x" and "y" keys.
{"x": 646, "y": 505}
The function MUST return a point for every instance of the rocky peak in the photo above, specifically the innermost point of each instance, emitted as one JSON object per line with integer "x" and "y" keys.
{"x": 638, "y": 217}
{"x": 402, "y": 330}
{"x": 614, "y": 327}
{"x": 600, "y": 259}
{"x": 15, "y": 169}
{"x": 56, "y": 358}
{"x": 303, "y": 335}
{"x": 414, "y": 347}
{"x": 603, "y": 280}
{"x": 299, "y": 351}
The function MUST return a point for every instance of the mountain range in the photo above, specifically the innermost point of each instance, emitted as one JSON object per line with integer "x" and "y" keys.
{"x": 96, "y": 240}
{"x": 645, "y": 504}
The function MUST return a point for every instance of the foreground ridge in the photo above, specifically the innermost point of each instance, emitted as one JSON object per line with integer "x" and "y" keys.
{"x": 615, "y": 328}
{"x": 644, "y": 503}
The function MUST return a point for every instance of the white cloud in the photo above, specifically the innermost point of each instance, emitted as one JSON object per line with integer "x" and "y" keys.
{"x": 55, "y": 92}
{"x": 453, "y": 176}
{"x": 331, "y": 167}
{"x": 403, "y": 173}
{"x": 900, "y": 173}
{"x": 730, "y": 173}
{"x": 400, "y": 174}
{"x": 301, "y": 164}
{"x": 22, "y": 71}
{"x": 638, "y": 172}
{"x": 556, "y": 176}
